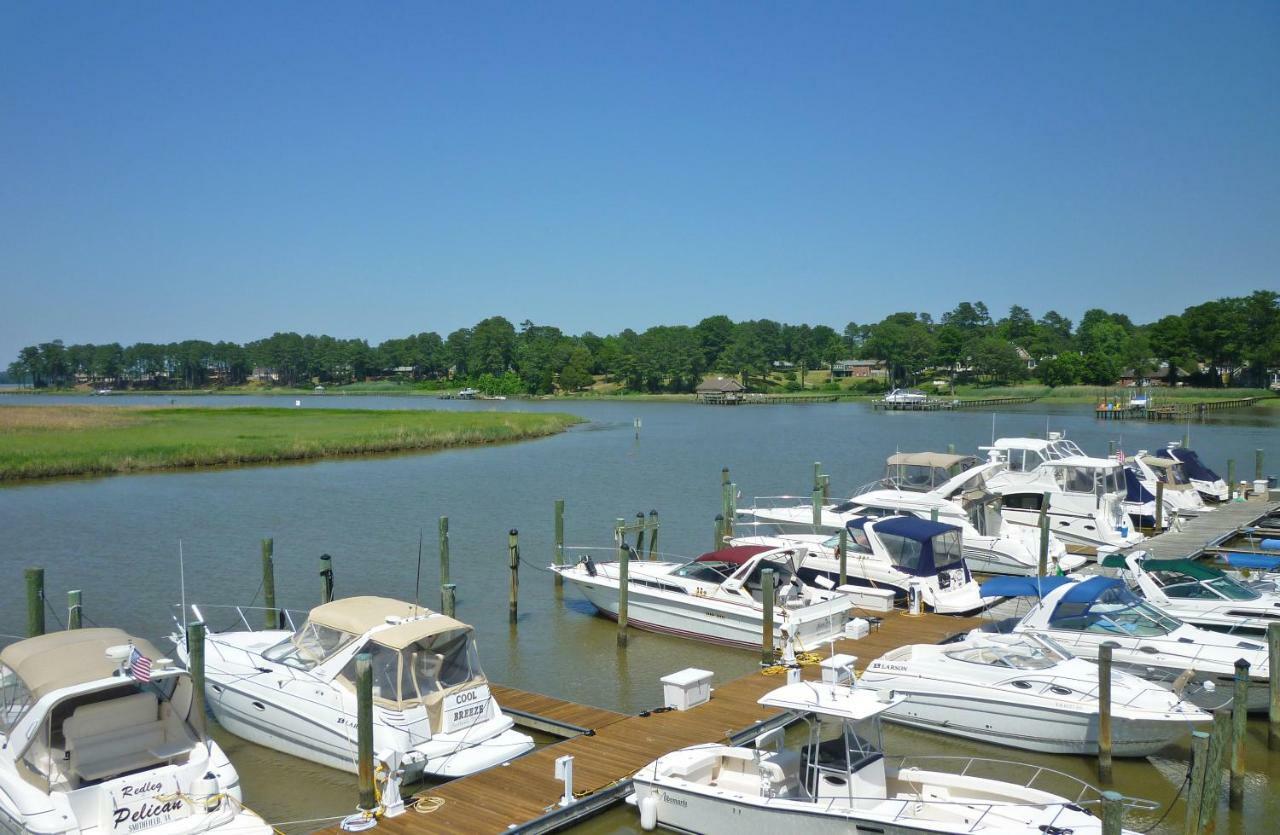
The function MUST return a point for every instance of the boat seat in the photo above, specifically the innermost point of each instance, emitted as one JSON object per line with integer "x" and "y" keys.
{"x": 114, "y": 737}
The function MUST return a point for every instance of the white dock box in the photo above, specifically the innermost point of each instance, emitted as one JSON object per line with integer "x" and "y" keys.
{"x": 838, "y": 669}
{"x": 857, "y": 628}
{"x": 869, "y": 599}
{"x": 688, "y": 688}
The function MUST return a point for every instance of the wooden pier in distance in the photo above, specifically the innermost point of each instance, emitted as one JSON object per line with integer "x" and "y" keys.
{"x": 937, "y": 404}
{"x": 523, "y": 796}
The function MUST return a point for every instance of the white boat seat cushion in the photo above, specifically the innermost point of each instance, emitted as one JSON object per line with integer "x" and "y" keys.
{"x": 114, "y": 737}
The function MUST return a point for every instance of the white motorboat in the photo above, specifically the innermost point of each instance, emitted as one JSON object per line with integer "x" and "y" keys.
{"x": 433, "y": 714}
{"x": 1086, "y": 495}
{"x": 1199, "y": 594}
{"x": 1205, "y": 480}
{"x": 840, "y": 781}
{"x": 906, "y": 396}
{"x": 1179, "y": 494}
{"x": 1140, "y": 502}
{"x": 1082, "y": 615}
{"x": 893, "y": 552}
{"x": 97, "y": 736}
{"x": 1025, "y": 691}
{"x": 717, "y": 597}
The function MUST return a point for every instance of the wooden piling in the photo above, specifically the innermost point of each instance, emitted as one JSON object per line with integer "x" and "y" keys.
{"x": 933, "y": 514}
{"x": 1195, "y": 791}
{"x": 653, "y": 534}
{"x": 271, "y": 616}
{"x": 35, "y": 601}
{"x": 817, "y": 509}
{"x": 766, "y": 637}
{"x": 844, "y": 556}
{"x": 364, "y": 731}
{"x": 826, "y": 489}
{"x": 1239, "y": 724}
{"x": 731, "y": 517}
{"x": 1043, "y": 564}
{"x": 449, "y": 599}
{"x": 444, "y": 549}
{"x": 1257, "y": 466}
{"x": 1219, "y": 745}
{"x": 624, "y": 577}
{"x": 724, "y": 492}
{"x": 1231, "y": 479}
{"x": 326, "y": 578}
{"x": 1159, "y": 506}
{"x": 1273, "y": 668}
{"x": 817, "y": 475}
{"x": 1112, "y": 812}
{"x": 719, "y": 539}
{"x": 513, "y": 559}
{"x": 640, "y": 532}
{"x": 73, "y": 609}
{"x": 558, "y": 556}
{"x": 195, "y": 666}
{"x": 1104, "y": 711}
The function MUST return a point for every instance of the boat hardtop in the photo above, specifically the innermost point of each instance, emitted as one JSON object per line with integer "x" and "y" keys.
{"x": 839, "y": 701}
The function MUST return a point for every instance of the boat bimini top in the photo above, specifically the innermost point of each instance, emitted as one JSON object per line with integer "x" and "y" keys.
{"x": 924, "y": 471}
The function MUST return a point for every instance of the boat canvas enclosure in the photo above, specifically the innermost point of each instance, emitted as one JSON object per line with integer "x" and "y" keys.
{"x": 916, "y": 546}
{"x": 924, "y": 471}
{"x": 1190, "y": 462}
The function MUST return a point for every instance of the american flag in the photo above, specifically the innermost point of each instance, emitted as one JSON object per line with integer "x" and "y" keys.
{"x": 139, "y": 665}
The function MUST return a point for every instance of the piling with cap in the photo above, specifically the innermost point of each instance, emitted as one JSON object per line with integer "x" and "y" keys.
{"x": 1273, "y": 669}
{"x": 1239, "y": 726}
{"x": 1043, "y": 563}
{"x": 826, "y": 488}
{"x": 817, "y": 508}
{"x": 1159, "y": 505}
{"x": 74, "y": 611}
{"x": 766, "y": 620}
{"x": 1112, "y": 812}
{"x": 513, "y": 558}
{"x": 844, "y": 555}
{"x": 326, "y": 578}
{"x": 364, "y": 731}
{"x": 1195, "y": 790}
{"x": 270, "y": 617}
{"x": 444, "y": 549}
{"x": 195, "y": 667}
{"x": 558, "y": 556}
{"x": 653, "y": 534}
{"x": 641, "y": 526}
{"x": 1231, "y": 478}
{"x": 1219, "y": 744}
{"x": 719, "y": 540}
{"x": 624, "y": 578}
{"x": 35, "y": 601}
{"x": 449, "y": 597}
{"x": 1104, "y": 711}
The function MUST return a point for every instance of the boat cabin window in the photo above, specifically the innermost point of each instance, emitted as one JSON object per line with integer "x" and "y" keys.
{"x": 708, "y": 572}
{"x": 1115, "y": 612}
{"x": 1023, "y": 501}
{"x": 948, "y": 552}
{"x": 857, "y": 541}
{"x": 903, "y": 551}
{"x": 906, "y": 553}
{"x": 1090, "y": 479}
{"x": 309, "y": 646}
{"x": 15, "y": 699}
{"x": 425, "y": 667}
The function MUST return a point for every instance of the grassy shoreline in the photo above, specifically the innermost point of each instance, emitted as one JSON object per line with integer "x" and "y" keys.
{"x": 52, "y": 441}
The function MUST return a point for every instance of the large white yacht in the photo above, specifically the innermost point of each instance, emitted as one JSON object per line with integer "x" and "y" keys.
{"x": 899, "y": 553}
{"x": 840, "y": 781}
{"x": 1025, "y": 691}
{"x": 717, "y": 597}
{"x": 97, "y": 736}
{"x": 295, "y": 691}
{"x": 1086, "y": 495}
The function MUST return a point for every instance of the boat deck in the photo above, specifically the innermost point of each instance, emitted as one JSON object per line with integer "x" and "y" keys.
{"x": 1206, "y": 530}
{"x": 521, "y": 793}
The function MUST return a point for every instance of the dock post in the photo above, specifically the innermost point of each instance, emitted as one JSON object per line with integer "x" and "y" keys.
{"x": 195, "y": 666}
{"x": 1104, "y": 711}
{"x": 1257, "y": 465}
{"x": 1159, "y": 505}
{"x": 653, "y": 534}
{"x": 364, "y": 731}
{"x": 826, "y": 488}
{"x": 733, "y": 509}
{"x": 1239, "y": 725}
{"x": 326, "y": 578}
{"x": 817, "y": 475}
{"x": 1195, "y": 791}
{"x": 724, "y": 492}
{"x": 624, "y": 577}
{"x": 640, "y": 531}
{"x": 558, "y": 556}
{"x": 933, "y": 514}
{"x": 513, "y": 558}
{"x": 35, "y": 601}
{"x": 271, "y": 617}
{"x": 74, "y": 611}
{"x": 719, "y": 540}
{"x": 448, "y": 594}
{"x": 1111, "y": 449}
{"x": 1112, "y": 812}
{"x": 444, "y": 549}
{"x": 766, "y": 599}
{"x": 1273, "y": 667}
{"x": 1231, "y": 479}
{"x": 844, "y": 556}
{"x": 1219, "y": 742}
{"x": 817, "y": 509}
{"x": 1044, "y": 545}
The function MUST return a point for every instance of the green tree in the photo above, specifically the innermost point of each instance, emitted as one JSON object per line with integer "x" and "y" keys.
{"x": 1100, "y": 370}
{"x": 997, "y": 360}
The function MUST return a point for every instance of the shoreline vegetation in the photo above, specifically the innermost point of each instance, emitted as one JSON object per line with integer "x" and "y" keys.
{"x": 53, "y": 441}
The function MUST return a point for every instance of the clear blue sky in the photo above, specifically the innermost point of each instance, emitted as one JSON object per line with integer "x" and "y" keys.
{"x": 224, "y": 170}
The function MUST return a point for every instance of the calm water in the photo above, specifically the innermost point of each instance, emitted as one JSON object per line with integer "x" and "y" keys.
{"x": 117, "y": 539}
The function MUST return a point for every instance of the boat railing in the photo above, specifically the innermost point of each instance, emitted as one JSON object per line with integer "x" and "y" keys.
{"x": 788, "y": 502}
{"x": 1151, "y": 645}
{"x": 291, "y": 617}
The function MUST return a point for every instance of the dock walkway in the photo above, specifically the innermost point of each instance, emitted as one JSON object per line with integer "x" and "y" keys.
{"x": 1206, "y": 530}
{"x": 519, "y": 794}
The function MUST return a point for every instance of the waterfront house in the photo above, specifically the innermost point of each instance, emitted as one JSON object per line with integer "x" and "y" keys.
{"x": 860, "y": 369}
{"x": 717, "y": 389}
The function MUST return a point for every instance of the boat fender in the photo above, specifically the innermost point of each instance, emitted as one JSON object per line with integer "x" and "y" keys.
{"x": 589, "y": 565}
{"x": 648, "y": 813}
{"x": 206, "y": 794}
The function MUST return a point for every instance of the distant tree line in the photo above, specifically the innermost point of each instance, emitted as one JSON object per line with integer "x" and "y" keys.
{"x": 1231, "y": 339}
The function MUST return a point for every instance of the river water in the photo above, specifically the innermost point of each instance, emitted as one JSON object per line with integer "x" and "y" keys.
{"x": 117, "y": 538}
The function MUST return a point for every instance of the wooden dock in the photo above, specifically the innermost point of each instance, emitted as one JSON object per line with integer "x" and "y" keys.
{"x": 1208, "y": 530}
{"x": 736, "y": 399}
{"x": 1186, "y": 411}
{"x": 936, "y": 404}
{"x": 524, "y": 795}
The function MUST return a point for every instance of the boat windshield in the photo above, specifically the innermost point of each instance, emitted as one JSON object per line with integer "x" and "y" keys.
{"x": 1014, "y": 656}
{"x": 707, "y": 572}
{"x": 309, "y": 646}
{"x": 422, "y": 669}
{"x": 1097, "y": 480}
{"x": 1115, "y": 612}
{"x": 857, "y": 541}
{"x": 15, "y": 699}
{"x": 1214, "y": 588}
{"x": 906, "y": 552}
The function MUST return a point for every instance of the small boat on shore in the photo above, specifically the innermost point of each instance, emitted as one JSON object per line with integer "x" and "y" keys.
{"x": 717, "y": 597}
{"x": 1025, "y": 691}
{"x": 841, "y": 781}
{"x": 97, "y": 736}
{"x": 295, "y": 691}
